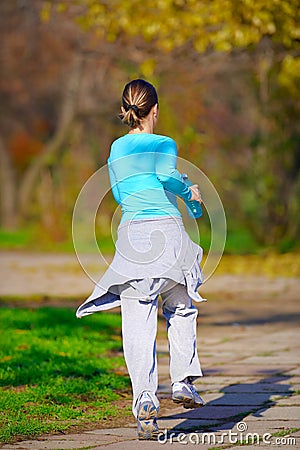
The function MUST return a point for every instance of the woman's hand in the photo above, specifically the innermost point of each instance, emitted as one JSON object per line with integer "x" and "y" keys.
{"x": 195, "y": 193}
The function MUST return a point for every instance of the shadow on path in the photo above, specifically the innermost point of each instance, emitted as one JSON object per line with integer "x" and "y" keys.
{"x": 235, "y": 403}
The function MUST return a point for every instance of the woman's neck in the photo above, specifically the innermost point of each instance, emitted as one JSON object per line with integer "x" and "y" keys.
{"x": 146, "y": 126}
{"x": 140, "y": 130}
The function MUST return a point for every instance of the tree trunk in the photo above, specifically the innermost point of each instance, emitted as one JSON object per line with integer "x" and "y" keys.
{"x": 52, "y": 148}
{"x": 8, "y": 191}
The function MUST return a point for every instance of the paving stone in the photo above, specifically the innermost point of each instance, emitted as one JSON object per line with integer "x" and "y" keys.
{"x": 163, "y": 368}
{"x": 213, "y": 439}
{"x": 281, "y": 412}
{"x": 260, "y": 388}
{"x": 164, "y": 379}
{"x": 209, "y": 388}
{"x": 164, "y": 388}
{"x": 242, "y": 398}
{"x": 275, "y": 442}
{"x": 276, "y": 398}
{"x": 292, "y": 349}
{"x": 254, "y": 424}
{"x": 265, "y": 424}
{"x": 209, "y": 412}
{"x": 225, "y": 380}
{"x": 210, "y": 397}
{"x": 132, "y": 445}
{"x": 261, "y": 437}
{"x": 280, "y": 360}
{"x": 202, "y": 439}
{"x": 293, "y": 400}
{"x": 70, "y": 441}
{"x": 294, "y": 379}
{"x": 238, "y": 369}
{"x": 292, "y": 372}
{"x": 224, "y": 425}
{"x": 163, "y": 361}
{"x": 181, "y": 424}
{"x": 251, "y": 447}
{"x": 162, "y": 348}
{"x": 123, "y": 432}
{"x": 217, "y": 358}
{"x": 261, "y": 425}
{"x": 277, "y": 379}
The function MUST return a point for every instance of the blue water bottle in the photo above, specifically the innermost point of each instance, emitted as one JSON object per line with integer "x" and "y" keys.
{"x": 193, "y": 207}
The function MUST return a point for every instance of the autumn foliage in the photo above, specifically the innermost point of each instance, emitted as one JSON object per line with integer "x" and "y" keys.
{"x": 227, "y": 73}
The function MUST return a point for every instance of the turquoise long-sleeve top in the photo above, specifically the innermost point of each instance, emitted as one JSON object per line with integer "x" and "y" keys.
{"x": 144, "y": 177}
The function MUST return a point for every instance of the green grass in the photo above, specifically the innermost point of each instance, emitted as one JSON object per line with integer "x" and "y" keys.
{"x": 285, "y": 432}
{"x": 57, "y": 371}
{"x": 33, "y": 238}
{"x": 239, "y": 241}
{"x": 16, "y": 239}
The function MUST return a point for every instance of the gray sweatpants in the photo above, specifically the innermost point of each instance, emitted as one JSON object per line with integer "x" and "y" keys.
{"x": 139, "y": 327}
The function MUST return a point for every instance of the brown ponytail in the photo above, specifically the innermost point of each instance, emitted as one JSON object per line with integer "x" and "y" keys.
{"x": 138, "y": 98}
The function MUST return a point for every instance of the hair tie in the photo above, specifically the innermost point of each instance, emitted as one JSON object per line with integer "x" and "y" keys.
{"x": 135, "y": 108}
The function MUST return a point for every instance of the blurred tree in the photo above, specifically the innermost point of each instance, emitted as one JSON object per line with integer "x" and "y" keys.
{"x": 8, "y": 189}
{"x": 275, "y": 148}
{"x": 223, "y": 24}
{"x": 253, "y": 122}
{"x": 22, "y": 86}
{"x": 46, "y": 92}
{"x": 237, "y": 108}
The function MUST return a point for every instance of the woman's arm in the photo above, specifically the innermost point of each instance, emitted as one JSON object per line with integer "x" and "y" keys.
{"x": 113, "y": 183}
{"x": 166, "y": 171}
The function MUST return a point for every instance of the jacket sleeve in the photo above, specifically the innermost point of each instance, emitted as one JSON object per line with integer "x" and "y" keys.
{"x": 166, "y": 171}
{"x": 113, "y": 183}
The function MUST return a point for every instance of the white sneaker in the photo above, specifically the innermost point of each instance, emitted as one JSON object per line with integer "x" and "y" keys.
{"x": 183, "y": 392}
{"x": 147, "y": 428}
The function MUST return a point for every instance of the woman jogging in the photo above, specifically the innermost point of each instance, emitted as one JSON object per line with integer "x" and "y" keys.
{"x": 154, "y": 256}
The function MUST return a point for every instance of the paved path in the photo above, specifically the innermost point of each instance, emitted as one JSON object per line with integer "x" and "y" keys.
{"x": 248, "y": 342}
{"x": 62, "y": 275}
